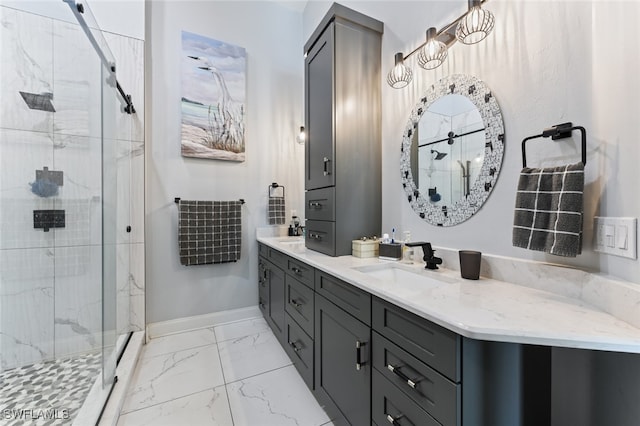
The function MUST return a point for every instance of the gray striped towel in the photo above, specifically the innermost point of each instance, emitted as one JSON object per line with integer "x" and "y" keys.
{"x": 209, "y": 231}
{"x": 549, "y": 210}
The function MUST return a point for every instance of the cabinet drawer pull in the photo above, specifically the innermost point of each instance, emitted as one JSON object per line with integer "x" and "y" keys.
{"x": 402, "y": 376}
{"x": 315, "y": 236}
{"x": 315, "y": 204}
{"x": 295, "y": 303}
{"x": 392, "y": 420}
{"x": 294, "y": 346}
{"x": 359, "y": 362}
{"x": 261, "y": 305}
{"x": 326, "y": 170}
{"x": 296, "y": 271}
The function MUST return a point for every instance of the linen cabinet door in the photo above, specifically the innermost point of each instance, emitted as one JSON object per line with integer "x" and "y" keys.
{"x": 342, "y": 368}
{"x": 319, "y": 149}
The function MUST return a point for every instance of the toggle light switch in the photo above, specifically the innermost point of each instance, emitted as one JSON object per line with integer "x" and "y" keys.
{"x": 616, "y": 235}
{"x": 609, "y": 235}
{"x": 622, "y": 237}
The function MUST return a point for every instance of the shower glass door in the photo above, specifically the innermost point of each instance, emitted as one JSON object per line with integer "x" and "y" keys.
{"x": 109, "y": 224}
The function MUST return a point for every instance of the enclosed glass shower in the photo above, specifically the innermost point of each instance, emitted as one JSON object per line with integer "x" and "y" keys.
{"x": 71, "y": 290}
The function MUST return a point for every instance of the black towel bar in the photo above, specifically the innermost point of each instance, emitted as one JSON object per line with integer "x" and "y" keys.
{"x": 177, "y": 200}
{"x": 559, "y": 131}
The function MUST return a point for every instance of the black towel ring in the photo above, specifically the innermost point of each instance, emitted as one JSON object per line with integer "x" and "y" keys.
{"x": 559, "y": 131}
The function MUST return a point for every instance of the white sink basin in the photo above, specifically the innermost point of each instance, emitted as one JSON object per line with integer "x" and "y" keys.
{"x": 291, "y": 240}
{"x": 405, "y": 278}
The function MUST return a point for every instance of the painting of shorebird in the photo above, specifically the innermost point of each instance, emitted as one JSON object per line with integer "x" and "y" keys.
{"x": 213, "y": 98}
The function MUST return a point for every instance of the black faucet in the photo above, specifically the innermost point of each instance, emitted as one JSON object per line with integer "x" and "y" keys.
{"x": 431, "y": 260}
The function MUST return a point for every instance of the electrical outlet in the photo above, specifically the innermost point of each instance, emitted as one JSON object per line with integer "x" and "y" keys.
{"x": 616, "y": 236}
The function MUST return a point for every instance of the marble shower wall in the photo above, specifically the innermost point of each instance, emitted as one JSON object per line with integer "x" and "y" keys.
{"x": 50, "y": 282}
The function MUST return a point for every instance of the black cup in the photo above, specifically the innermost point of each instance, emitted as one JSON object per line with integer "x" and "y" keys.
{"x": 470, "y": 264}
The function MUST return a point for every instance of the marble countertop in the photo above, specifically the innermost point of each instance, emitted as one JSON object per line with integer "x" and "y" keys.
{"x": 486, "y": 309}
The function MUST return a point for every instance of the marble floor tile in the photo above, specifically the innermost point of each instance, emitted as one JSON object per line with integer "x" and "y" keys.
{"x": 209, "y": 407}
{"x": 178, "y": 342}
{"x": 238, "y": 329}
{"x": 250, "y": 355}
{"x": 277, "y": 398}
{"x": 166, "y": 377}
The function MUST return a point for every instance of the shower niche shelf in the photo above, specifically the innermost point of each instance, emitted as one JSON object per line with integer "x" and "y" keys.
{"x": 46, "y": 219}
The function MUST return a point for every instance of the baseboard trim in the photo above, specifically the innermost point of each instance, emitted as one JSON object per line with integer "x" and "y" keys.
{"x": 164, "y": 328}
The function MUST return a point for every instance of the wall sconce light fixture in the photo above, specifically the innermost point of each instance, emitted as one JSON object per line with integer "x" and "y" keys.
{"x": 470, "y": 28}
{"x": 302, "y": 136}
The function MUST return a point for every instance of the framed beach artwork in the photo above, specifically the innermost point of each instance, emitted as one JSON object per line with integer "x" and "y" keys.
{"x": 213, "y": 98}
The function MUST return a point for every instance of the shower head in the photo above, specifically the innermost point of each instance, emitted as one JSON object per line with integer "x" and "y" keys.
{"x": 439, "y": 155}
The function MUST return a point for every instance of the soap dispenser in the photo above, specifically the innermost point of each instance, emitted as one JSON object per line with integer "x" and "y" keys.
{"x": 407, "y": 251}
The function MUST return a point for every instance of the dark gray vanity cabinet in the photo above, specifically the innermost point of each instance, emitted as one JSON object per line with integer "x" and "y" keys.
{"x": 286, "y": 299}
{"x": 369, "y": 361}
{"x": 343, "y": 364}
{"x": 417, "y": 370}
{"x": 343, "y": 145}
{"x": 299, "y": 320}
{"x": 271, "y": 288}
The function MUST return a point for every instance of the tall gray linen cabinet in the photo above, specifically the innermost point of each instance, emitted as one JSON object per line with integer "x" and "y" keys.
{"x": 343, "y": 124}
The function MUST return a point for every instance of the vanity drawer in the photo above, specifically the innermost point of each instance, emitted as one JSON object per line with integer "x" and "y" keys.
{"x": 430, "y": 343}
{"x": 277, "y": 258}
{"x": 429, "y": 389}
{"x": 299, "y": 303}
{"x": 390, "y": 405}
{"x": 320, "y": 204}
{"x": 302, "y": 271}
{"x": 299, "y": 346}
{"x": 351, "y": 299}
{"x": 321, "y": 236}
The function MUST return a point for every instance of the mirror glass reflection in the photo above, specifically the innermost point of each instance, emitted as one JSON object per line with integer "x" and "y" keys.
{"x": 449, "y": 142}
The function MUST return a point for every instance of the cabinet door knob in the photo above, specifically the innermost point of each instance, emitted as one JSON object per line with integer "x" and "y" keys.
{"x": 295, "y": 303}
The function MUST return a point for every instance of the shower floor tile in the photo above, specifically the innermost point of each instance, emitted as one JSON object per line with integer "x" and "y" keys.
{"x": 48, "y": 393}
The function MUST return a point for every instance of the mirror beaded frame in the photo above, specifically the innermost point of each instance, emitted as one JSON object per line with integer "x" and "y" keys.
{"x": 480, "y": 95}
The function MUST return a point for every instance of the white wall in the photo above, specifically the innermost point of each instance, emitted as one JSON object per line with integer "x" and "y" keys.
{"x": 546, "y": 62}
{"x": 272, "y": 37}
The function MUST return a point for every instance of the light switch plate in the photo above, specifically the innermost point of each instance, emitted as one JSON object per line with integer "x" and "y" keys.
{"x": 616, "y": 235}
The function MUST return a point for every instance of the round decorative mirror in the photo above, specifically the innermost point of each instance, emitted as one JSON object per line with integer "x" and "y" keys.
{"x": 452, "y": 150}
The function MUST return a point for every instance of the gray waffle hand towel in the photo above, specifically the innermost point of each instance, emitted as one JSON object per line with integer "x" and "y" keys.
{"x": 209, "y": 231}
{"x": 549, "y": 210}
{"x": 276, "y": 210}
